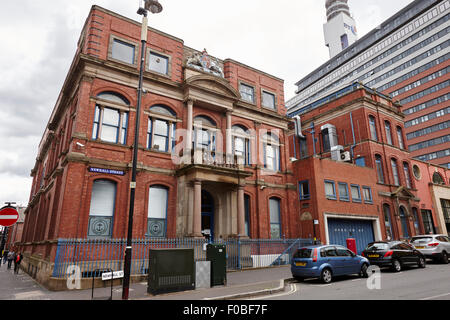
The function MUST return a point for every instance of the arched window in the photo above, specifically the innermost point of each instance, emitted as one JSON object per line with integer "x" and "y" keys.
{"x": 373, "y": 128}
{"x": 407, "y": 175}
{"x": 161, "y": 128}
{"x": 205, "y": 132}
{"x": 102, "y": 208}
{"x": 205, "y": 121}
{"x": 275, "y": 218}
{"x": 387, "y": 126}
{"x": 110, "y": 122}
{"x": 404, "y": 220}
{"x": 395, "y": 172}
{"x": 157, "y": 211}
{"x": 437, "y": 178}
{"x": 401, "y": 144}
{"x": 379, "y": 165}
{"x": 113, "y": 97}
{"x": 272, "y": 152}
{"x": 241, "y": 143}
{"x": 388, "y": 222}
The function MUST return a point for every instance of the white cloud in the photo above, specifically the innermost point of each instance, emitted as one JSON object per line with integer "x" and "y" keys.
{"x": 39, "y": 39}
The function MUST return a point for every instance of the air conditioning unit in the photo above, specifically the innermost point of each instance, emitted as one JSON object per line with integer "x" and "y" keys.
{"x": 346, "y": 157}
{"x": 338, "y": 154}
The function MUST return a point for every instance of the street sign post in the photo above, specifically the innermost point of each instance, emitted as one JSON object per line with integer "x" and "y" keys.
{"x": 8, "y": 216}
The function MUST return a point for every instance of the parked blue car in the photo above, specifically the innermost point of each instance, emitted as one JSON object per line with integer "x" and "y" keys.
{"x": 326, "y": 262}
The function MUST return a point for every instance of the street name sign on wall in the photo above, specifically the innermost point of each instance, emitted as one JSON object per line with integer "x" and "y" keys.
{"x": 115, "y": 275}
{"x": 107, "y": 171}
{"x": 8, "y": 216}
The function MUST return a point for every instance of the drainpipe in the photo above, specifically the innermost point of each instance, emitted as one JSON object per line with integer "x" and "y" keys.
{"x": 354, "y": 140}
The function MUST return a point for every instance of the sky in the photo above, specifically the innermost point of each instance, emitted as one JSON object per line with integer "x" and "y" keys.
{"x": 38, "y": 42}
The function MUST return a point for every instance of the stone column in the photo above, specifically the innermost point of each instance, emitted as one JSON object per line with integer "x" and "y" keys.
{"x": 197, "y": 219}
{"x": 241, "y": 212}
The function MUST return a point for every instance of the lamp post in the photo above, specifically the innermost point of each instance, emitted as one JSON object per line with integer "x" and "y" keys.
{"x": 154, "y": 7}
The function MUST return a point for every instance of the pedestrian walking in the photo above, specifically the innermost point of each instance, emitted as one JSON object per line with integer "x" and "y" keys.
{"x": 11, "y": 256}
{"x": 5, "y": 255}
{"x": 17, "y": 262}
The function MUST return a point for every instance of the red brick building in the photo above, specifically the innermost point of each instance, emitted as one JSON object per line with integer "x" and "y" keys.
{"x": 357, "y": 180}
{"x": 215, "y": 155}
{"x": 232, "y": 178}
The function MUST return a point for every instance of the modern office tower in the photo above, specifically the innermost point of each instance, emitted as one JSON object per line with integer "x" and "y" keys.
{"x": 339, "y": 31}
{"x": 406, "y": 57}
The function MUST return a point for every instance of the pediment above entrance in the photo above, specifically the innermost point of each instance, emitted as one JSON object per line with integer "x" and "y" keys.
{"x": 403, "y": 193}
{"x": 211, "y": 84}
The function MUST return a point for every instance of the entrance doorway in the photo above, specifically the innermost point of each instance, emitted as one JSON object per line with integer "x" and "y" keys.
{"x": 207, "y": 215}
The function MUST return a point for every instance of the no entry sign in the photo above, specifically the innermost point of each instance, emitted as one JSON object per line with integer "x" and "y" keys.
{"x": 8, "y": 216}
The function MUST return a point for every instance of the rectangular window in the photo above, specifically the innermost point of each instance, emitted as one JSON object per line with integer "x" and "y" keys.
{"x": 367, "y": 193}
{"x": 330, "y": 190}
{"x": 272, "y": 157}
{"x": 268, "y": 100}
{"x": 123, "y": 51}
{"x": 247, "y": 93}
{"x": 275, "y": 219}
{"x": 110, "y": 125}
{"x": 304, "y": 190}
{"x": 157, "y": 212}
{"x": 344, "y": 41}
{"x": 356, "y": 193}
{"x": 360, "y": 162}
{"x": 303, "y": 148}
{"x": 160, "y": 135}
{"x": 343, "y": 192}
{"x": 158, "y": 63}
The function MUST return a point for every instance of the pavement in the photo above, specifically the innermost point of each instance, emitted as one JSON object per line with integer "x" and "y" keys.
{"x": 240, "y": 285}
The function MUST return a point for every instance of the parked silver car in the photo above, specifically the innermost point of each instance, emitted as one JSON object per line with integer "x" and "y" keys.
{"x": 433, "y": 246}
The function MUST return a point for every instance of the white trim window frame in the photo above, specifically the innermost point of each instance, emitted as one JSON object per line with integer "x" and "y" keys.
{"x": 115, "y": 43}
{"x": 265, "y": 95}
{"x": 110, "y": 124}
{"x": 272, "y": 153}
{"x": 154, "y": 65}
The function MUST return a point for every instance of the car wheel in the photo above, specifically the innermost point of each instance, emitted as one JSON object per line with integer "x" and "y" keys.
{"x": 422, "y": 262}
{"x": 326, "y": 275}
{"x": 396, "y": 265}
{"x": 363, "y": 273}
{"x": 444, "y": 257}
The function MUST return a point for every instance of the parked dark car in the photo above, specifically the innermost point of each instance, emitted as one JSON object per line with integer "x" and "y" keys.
{"x": 393, "y": 254}
{"x": 326, "y": 262}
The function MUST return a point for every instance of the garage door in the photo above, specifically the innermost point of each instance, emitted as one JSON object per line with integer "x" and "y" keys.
{"x": 339, "y": 230}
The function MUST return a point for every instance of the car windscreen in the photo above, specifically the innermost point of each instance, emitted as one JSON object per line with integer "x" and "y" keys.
{"x": 303, "y": 253}
{"x": 377, "y": 246}
{"x": 421, "y": 239}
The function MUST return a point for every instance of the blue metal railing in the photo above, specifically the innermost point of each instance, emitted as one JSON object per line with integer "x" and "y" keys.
{"x": 88, "y": 255}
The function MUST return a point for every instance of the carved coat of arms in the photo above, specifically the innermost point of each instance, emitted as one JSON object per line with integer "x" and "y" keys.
{"x": 205, "y": 62}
